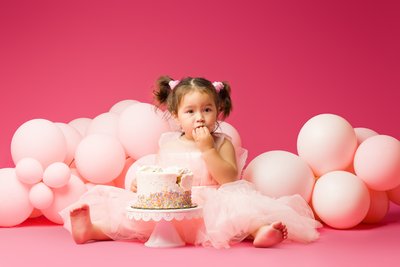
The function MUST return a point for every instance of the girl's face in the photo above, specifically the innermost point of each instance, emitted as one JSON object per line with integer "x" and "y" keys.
{"x": 196, "y": 109}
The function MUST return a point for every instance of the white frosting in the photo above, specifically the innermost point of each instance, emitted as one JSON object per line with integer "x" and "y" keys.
{"x": 153, "y": 179}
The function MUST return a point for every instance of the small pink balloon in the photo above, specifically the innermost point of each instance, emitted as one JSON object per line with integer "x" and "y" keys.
{"x": 15, "y": 206}
{"x": 56, "y": 175}
{"x": 378, "y": 208}
{"x": 64, "y": 197}
{"x": 73, "y": 137}
{"x": 280, "y": 173}
{"x": 105, "y": 123}
{"x": 229, "y": 130}
{"x": 119, "y": 107}
{"x": 377, "y": 162}
{"x": 394, "y": 195}
{"x": 39, "y": 139}
{"x": 139, "y": 129}
{"x": 364, "y": 133}
{"x": 327, "y": 142}
{"x": 80, "y": 124}
{"x": 29, "y": 171}
{"x": 99, "y": 158}
{"x": 41, "y": 196}
{"x": 340, "y": 199}
{"x": 130, "y": 176}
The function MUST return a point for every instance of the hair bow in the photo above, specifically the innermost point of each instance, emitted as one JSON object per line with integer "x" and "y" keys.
{"x": 218, "y": 86}
{"x": 173, "y": 83}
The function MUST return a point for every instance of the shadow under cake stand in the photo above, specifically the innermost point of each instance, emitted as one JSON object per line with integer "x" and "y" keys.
{"x": 164, "y": 234}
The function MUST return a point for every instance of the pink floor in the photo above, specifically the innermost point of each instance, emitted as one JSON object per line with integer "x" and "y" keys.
{"x": 38, "y": 242}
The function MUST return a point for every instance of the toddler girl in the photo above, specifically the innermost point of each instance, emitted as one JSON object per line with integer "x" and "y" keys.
{"x": 232, "y": 209}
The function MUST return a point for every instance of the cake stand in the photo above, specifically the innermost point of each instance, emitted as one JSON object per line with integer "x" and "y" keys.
{"x": 164, "y": 234}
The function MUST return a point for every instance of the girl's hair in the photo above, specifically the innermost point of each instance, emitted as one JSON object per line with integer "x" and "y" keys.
{"x": 171, "y": 97}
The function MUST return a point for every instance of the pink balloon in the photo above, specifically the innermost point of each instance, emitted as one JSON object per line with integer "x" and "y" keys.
{"x": 377, "y": 162}
{"x": 41, "y": 196}
{"x": 340, "y": 199}
{"x": 379, "y": 206}
{"x": 229, "y": 130}
{"x": 56, "y": 175}
{"x": 140, "y": 127}
{"x": 327, "y": 142}
{"x": 280, "y": 173}
{"x": 73, "y": 137}
{"x": 80, "y": 124}
{"x": 15, "y": 206}
{"x": 364, "y": 133}
{"x": 39, "y": 139}
{"x": 29, "y": 171}
{"x": 106, "y": 123}
{"x": 119, "y": 107}
{"x": 99, "y": 158}
{"x": 120, "y": 180}
{"x": 394, "y": 195}
{"x": 130, "y": 176}
{"x": 64, "y": 197}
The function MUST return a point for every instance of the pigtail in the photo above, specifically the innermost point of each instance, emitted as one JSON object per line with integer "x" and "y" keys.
{"x": 225, "y": 101}
{"x": 162, "y": 90}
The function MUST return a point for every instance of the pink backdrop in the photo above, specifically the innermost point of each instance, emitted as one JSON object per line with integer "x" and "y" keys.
{"x": 286, "y": 61}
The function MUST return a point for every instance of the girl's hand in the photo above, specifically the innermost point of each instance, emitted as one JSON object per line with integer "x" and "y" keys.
{"x": 203, "y": 138}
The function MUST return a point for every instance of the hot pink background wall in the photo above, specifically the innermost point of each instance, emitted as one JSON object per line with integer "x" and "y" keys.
{"x": 286, "y": 61}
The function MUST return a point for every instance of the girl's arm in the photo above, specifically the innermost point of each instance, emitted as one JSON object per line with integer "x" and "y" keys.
{"x": 221, "y": 164}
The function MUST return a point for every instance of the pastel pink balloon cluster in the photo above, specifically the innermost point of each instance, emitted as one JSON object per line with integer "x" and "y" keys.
{"x": 57, "y": 162}
{"x": 349, "y": 175}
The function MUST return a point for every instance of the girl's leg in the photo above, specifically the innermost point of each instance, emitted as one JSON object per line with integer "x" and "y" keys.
{"x": 270, "y": 235}
{"x": 82, "y": 228}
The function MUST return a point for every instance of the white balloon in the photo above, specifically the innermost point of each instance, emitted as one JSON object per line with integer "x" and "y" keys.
{"x": 105, "y": 123}
{"x": 119, "y": 107}
{"x": 327, "y": 142}
{"x": 280, "y": 173}
{"x": 340, "y": 199}
{"x": 39, "y": 139}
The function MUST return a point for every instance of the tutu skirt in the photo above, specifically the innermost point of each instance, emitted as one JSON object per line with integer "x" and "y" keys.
{"x": 230, "y": 213}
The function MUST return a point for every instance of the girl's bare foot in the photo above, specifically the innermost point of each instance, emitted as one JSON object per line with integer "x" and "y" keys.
{"x": 81, "y": 224}
{"x": 270, "y": 235}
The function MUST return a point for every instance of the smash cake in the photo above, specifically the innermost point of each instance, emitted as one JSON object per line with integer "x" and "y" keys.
{"x": 163, "y": 188}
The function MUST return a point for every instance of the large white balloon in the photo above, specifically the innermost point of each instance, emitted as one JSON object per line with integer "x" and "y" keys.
{"x": 99, "y": 158}
{"x": 105, "y": 123}
{"x": 80, "y": 124}
{"x": 377, "y": 162}
{"x": 280, "y": 173}
{"x": 119, "y": 107}
{"x": 140, "y": 127}
{"x": 340, "y": 199}
{"x": 39, "y": 139}
{"x": 327, "y": 142}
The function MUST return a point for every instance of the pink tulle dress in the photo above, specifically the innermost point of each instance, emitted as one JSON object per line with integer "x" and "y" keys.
{"x": 230, "y": 212}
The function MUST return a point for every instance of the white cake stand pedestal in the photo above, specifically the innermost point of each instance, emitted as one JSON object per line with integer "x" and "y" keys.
{"x": 164, "y": 234}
